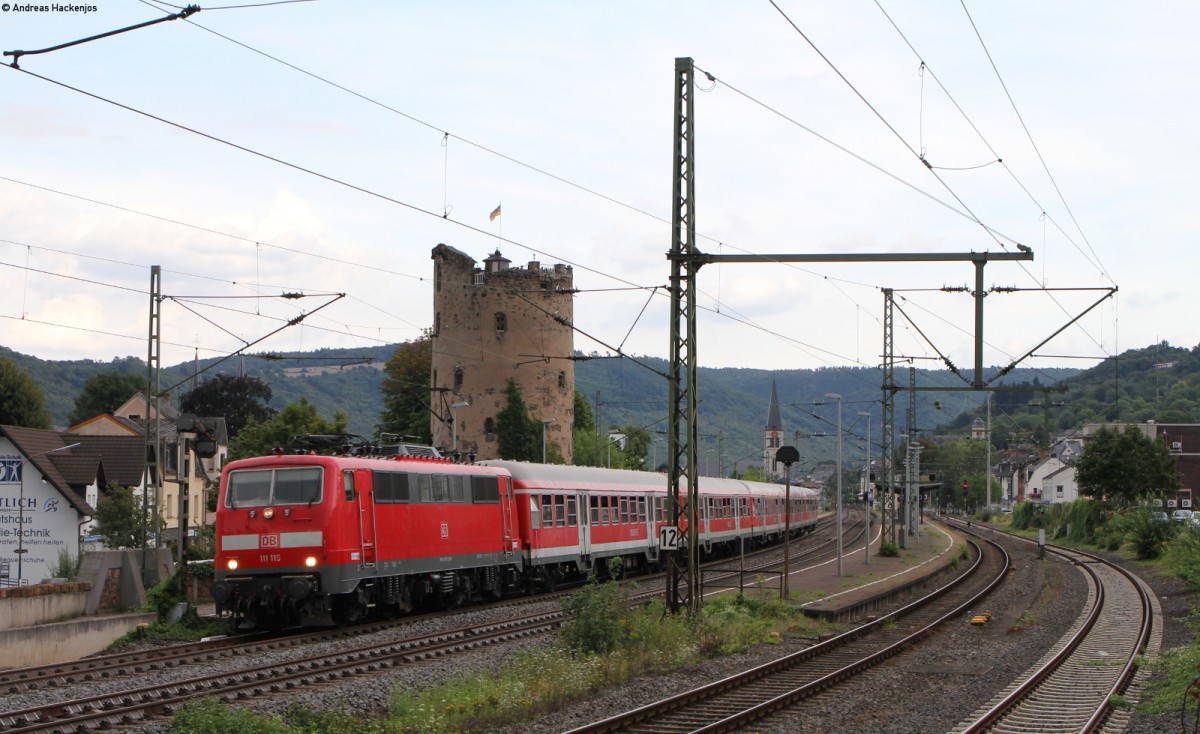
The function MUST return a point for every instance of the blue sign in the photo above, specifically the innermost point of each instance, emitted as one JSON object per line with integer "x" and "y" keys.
{"x": 10, "y": 470}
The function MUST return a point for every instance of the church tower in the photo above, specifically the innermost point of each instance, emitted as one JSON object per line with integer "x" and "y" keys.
{"x": 772, "y": 437}
{"x": 492, "y": 324}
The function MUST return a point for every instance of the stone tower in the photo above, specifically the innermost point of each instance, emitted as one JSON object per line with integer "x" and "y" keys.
{"x": 772, "y": 437}
{"x": 492, "y": 324}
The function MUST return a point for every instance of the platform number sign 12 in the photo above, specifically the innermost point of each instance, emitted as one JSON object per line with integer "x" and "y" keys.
{"x": 668, "y": 538}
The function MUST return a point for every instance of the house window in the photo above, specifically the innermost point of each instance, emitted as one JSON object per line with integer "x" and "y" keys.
{"x": 1058, "y": 490}
{"x": 501, "y": 321}
{"x": 489, "y": 428}
{"x": 458, "y": 377}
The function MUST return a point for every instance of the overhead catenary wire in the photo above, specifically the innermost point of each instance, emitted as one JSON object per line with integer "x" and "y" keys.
{"x": 637, "y": 287}
{"x": 1032, "y": 142}
{"x": 925, "y": 68}
{"x": 914, "y": 152}
{"x": 308, "y": 170}
{"x": 446, "y": 135}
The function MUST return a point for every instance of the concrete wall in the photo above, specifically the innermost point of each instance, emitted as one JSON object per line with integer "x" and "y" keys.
{"x": 116, "y": 578}
{"x": 64, "y": 641}
{"x": 25, "y": 606}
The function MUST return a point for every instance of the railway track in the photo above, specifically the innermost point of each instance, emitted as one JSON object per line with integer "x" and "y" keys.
{"x": 1072, "y": 688}
{"x": 133, "y": 705}
{"x": 124, "y": 706}
{"x": 737, "y": 701}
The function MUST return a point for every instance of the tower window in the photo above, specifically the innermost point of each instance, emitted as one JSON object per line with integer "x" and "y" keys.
{"x": 458, "y": 377}
{"x": 501, "y": 321}
{"x": 562, "y": 380}
{"x": 437, "y": 323}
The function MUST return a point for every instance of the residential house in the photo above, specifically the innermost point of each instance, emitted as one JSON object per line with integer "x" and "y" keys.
{"x": 198, "y": 477}
{"x": 1059, "y": 486}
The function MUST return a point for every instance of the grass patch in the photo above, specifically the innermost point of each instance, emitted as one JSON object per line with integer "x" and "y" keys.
{"x": 642, "y": 641}
{"x": 604, "y": 642}
{"x": 1175, "y": 669}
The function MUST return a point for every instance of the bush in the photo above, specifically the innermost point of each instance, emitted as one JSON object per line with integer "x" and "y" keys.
{"x": 597, "y": 619}
{"x": 1148, "y": 535}
{"x": 1081, "y": 519}
{"x": 67, "y": 566}
{"x": 1183, "y": 555}
{"x": 1027, "y": 516}
{"x": 888, "y": 550}
{"x": 167, "y": 594}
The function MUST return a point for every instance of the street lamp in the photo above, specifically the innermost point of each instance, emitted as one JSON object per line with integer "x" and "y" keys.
{"x": 839, "y": 479}
{"x": 867, "y": 488}
{"x": 454, "y": 423}
{"x": 545, "y": 422}
{"x": 21, "y": 511}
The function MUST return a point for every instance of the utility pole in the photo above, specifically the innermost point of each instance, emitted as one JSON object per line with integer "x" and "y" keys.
{"x": 683, "y": 568}
{"x": 153, "y": 476}
{"x": 987, "y": 468}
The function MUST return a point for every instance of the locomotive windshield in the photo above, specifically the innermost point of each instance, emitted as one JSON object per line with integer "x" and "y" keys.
{"x": 260, "y": 487}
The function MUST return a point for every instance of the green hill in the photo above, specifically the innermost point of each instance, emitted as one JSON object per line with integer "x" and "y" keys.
{"x": 1158, "y": 382}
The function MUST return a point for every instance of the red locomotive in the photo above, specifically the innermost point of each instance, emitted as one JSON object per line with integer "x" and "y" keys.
{"x": 316, "y": 540}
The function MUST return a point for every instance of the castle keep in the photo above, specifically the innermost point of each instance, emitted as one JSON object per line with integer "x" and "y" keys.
{"x": 492, "y": 324}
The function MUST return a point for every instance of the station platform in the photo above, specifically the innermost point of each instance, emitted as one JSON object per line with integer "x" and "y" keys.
{"x": 863, "y": 587}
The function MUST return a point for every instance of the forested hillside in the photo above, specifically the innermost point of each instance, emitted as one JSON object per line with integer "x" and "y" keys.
{"x": 1158, "y": 382}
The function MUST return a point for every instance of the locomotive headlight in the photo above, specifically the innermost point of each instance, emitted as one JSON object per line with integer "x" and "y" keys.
{"x": 311, "y": 561}
{"x": 269, "y": 513}
{"x": 231, "y": 564}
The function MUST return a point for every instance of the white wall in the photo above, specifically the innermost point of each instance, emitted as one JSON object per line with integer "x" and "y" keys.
{"x": 50, "y": 523}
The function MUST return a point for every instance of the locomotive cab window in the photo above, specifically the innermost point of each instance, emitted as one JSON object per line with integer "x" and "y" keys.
{"x": 348, "y": 485}
{"x": 260, "y": 487}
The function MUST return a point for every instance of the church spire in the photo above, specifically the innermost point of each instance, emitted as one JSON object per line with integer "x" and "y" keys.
{"x": 772, "y": 435}
{"x": 774, "y": 423}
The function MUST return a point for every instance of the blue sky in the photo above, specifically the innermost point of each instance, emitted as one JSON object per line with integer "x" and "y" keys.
{"x": 561, "y": 112}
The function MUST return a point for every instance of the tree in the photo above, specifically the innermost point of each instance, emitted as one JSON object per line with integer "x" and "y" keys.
{"x": 637, "y": 447}
{"x": 103, "y": 393}
{"x": 586, "y": 443}
{"x": 406, "y": 391}
{"x": 519, "y": 436}
{"x": 22, "y": 402}
{"x": 1124, "y": 466}
{"x": 296, "y": 419}
{"x": 237, "y": 399}
{"x": 117, "y": 517}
